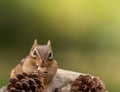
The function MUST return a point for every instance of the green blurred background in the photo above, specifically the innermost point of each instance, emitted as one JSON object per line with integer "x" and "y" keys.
{"x": 85, "y": 35}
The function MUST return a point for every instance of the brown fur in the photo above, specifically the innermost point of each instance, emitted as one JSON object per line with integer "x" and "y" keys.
{"x": 41, "y": 62}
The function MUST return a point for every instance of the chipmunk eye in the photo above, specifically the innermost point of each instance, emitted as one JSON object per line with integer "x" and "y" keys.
{"x": 50, "y": 56}
{"x": 34, "y": 53}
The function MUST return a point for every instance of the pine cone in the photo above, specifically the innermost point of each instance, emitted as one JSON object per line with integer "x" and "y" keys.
{"x": 87, "y": 83}
{"x": 26, "y": 83}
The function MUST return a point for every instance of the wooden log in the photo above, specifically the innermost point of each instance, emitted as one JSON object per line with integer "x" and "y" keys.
{"x": 61, "y": 82}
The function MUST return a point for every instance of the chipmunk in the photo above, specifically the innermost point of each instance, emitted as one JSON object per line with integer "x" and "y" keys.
{"x": 41, "y": 58}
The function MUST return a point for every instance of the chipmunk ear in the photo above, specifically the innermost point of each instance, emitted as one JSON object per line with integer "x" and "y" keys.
{"x": 49, "y": 43}
{"x": 34, "y": 45}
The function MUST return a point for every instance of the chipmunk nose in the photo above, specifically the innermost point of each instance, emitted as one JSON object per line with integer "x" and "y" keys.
{"x": 43, "y": 61}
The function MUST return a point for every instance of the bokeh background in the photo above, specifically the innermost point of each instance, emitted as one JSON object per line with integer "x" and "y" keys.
{"x": 85, "y": 35}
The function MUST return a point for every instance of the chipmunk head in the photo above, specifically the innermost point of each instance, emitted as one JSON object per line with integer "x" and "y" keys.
{"x": 42, "y": 53}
